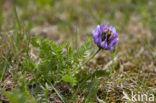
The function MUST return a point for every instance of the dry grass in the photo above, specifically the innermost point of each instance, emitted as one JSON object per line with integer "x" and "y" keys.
{"x": 135, "y": 61}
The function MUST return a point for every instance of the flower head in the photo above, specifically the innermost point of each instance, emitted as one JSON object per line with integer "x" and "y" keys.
{"x": 105, "y": 36}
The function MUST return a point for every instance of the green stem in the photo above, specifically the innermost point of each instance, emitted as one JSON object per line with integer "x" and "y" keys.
{"x": 91, "y": 57}
{"x": 59, "y": 95}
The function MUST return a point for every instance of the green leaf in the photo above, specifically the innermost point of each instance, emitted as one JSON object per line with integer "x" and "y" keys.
{"x": 47, "y": 68}
{"x": 82, "y": 51}
{"x": 20, "y": 95}
{"x": 17, "y": 96}
{"x": 82, "y": 75}
{"x": 28, "y": 64}
{"x": 60, "y": 96}
{"x": 69, "y": 79}
{"x": 46, "y": 50}
{"x": 101, "y": 73}
{"x": 92, "y": 91}
{"x": 36, "y": 41}
{"x": 70, "y": 55}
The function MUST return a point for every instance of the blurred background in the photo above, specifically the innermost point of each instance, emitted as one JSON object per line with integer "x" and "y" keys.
{"x": 62, "y": 18}
{"x": 73, "y": 21}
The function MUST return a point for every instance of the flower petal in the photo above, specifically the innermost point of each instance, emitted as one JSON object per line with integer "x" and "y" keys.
{"x": 110, "y": 41}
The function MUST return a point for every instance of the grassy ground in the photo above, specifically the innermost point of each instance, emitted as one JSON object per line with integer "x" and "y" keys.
{"x": 133, "y": 62}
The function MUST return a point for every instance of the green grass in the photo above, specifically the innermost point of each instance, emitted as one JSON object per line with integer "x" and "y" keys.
{"x": 43, "y": 41}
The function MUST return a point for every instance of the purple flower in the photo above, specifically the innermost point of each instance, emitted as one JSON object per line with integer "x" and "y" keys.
{"x": 105, "y": 36}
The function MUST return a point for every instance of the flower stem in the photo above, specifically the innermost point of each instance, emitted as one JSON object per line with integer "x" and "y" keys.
{"x": 91, "y": 57}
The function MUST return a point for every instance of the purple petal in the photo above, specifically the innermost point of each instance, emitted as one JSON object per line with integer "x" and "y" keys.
{"x": 102, "y": 27}
{"x": 113, "y": 42}
{"x": 107, "y": 25}
{"x": 106, "y": 44}
{"x": 96, "y": 31}
{"x": 114, "y": 35}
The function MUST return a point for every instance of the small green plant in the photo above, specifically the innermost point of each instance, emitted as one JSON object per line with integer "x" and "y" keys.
{"x": 60, "y": 65}
{"x": 57, "y": 67}
{"x": 20, "y": 95}
{"x": 58, "y": 62}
